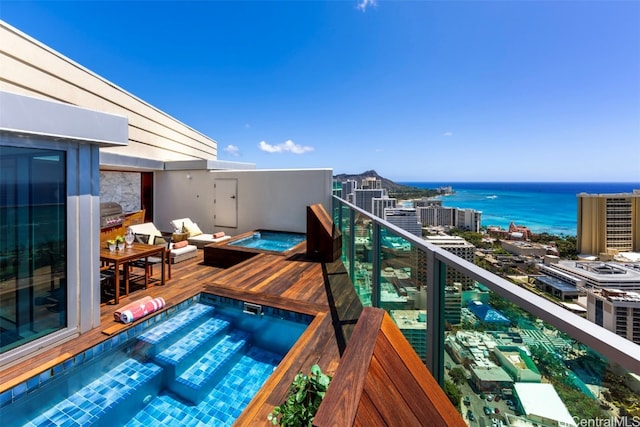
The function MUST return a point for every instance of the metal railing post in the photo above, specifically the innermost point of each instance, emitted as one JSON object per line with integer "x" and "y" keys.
{"x": 375, "y": 265}
{"x": 436, "y": 277}
{"x": 352, "y": 242}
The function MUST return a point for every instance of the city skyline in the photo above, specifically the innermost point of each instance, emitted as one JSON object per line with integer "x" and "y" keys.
{"x": 418, "y": 91}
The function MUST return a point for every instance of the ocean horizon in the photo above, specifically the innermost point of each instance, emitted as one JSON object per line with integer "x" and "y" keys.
{"x": 544, "y": 207}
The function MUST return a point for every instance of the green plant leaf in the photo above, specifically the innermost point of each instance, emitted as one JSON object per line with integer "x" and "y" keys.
{"x": 303, "y": 399}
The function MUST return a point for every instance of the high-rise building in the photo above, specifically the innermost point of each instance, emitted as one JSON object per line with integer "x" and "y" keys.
{"x": 468, "y": 219}
{"x": 615, "y": 310}
{"x": 405, "y": 218}
{"x": 453, "y": 303}
{"x": 371, "y": 183}
{"x": 608, "y": 223}
{"x": 426, "y": 201}
{"x": 381, "y": 203}
{"x": 437, "y": 215}
{"x": 363, "y": 198}
{"x": 460, "y": 247}
{"x": 413, "y": 325}
{"x": 348, "y": 187}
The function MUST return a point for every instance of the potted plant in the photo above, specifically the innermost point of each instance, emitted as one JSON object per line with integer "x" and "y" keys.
{"x": 111, "y": 244}
{"x": 120, "y": 242}
{"x": 303, "y": 399}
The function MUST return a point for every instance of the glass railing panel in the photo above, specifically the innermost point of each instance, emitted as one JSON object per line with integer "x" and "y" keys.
{"x": 510, "y": 367}
{"x": 489, "y": 347}
{"x": 345, "y": 229}
{"x": 362, "y": 258}
{"x": 403, "y": 288}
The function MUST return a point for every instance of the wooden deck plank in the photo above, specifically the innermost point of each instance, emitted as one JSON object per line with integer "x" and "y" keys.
{"x": 446, "y": 413}
{"x": 387, "y": 398}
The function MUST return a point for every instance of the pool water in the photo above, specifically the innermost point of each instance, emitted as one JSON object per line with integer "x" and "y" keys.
{"x": 201, "y": 366}
{"x": 275, "y": 241}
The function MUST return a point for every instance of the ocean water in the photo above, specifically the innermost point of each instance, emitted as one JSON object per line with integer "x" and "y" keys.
{"x": 544, "y": 207}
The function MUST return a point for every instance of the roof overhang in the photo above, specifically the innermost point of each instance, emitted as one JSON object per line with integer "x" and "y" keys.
{"x": 204, "y": 164}
{"x": 23, "y": 115}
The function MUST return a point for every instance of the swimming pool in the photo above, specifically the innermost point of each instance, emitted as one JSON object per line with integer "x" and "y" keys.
{"x": 199, "y": 364}
{"x": 273, "y": 241}
{"x": 247, "y": 245}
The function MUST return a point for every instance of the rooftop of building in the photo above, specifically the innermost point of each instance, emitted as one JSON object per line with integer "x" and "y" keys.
{"x": 542, "y": 400}
{"x": 617, "y": 295}
{"x": 600, "y": 271}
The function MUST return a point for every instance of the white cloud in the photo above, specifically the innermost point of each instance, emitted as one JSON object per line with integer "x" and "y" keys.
{"x": 364, "y": 4}
{"x": 288, "y": 145}
{"x": 447, "y": 134}
{"x": 232, "y": 149}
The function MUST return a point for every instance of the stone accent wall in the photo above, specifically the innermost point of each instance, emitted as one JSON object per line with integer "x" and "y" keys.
{"x": 123, "y": 188}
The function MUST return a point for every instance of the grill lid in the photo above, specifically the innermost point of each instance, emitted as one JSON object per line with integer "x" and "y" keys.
{"x": 111, "y": 214}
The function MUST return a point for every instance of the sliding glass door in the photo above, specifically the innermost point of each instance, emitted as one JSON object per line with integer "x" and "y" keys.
{"x": 33, "y": 229}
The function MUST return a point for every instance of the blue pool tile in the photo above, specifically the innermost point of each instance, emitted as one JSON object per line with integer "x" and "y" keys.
{"x": 44, "y": 377}
{"x": 19, "y": 390}
{"x": 33, "y": 383}
{"x": 5, "y": 398}
{"x": 57, "y": 370}
{"x": 88, "y": 355}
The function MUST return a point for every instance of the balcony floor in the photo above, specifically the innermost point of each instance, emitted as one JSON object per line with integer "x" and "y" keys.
{"x": 292, "y": 283}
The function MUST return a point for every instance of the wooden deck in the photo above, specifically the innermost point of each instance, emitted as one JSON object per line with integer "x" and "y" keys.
{"x": 293, "y": 283}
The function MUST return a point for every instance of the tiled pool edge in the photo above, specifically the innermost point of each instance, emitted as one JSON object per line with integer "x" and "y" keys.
{"x": 212, "y": 299}
{"x": 32, "y": 384}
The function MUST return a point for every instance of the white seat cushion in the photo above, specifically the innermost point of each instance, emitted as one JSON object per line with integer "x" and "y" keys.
{"x": 183, "y": 250}
{"x": 183, "y": 253}
{"x": 204, "y": 239}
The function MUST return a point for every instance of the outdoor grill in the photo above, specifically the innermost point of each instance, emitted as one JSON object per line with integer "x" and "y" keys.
{"x": 111, "y": 215}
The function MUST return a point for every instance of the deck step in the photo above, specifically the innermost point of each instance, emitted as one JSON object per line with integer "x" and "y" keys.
{"x": 199, "y": 378}
{"x": 98, "y": 402}
{"x": 184, "y": 352}
{"x": 165, "y": 334}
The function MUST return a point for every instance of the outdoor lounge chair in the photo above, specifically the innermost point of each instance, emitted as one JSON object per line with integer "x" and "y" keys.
{"x": 155, "y": 237}
{"x": 149, "y": 262}
{"x": 196, "y": 236}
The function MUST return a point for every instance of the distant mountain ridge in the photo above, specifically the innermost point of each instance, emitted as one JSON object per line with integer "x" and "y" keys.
{"x": 386, "y": 183}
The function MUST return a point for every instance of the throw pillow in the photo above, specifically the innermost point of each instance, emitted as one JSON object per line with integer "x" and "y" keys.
{"x": 193, "y": 229}
{"x": 181, "y": 244}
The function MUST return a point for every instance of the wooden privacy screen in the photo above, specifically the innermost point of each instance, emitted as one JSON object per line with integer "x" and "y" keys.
{"x": 382, "y": 381}
{"x": 324, "y": 240}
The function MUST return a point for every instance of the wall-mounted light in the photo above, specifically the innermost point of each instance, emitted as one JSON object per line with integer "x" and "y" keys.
{"x": 189, "y": 176}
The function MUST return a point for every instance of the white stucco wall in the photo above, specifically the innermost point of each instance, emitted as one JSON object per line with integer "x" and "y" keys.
{"x": 266, "y": 199}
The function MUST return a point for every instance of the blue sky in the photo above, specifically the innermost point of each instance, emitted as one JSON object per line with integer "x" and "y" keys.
{"x": 417, "y": 90}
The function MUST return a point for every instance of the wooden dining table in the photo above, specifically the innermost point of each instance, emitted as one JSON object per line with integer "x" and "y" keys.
{"x": 122, "y": 258}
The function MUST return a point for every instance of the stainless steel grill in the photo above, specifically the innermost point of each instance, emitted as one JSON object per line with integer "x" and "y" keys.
{"x": 111, "y": 215}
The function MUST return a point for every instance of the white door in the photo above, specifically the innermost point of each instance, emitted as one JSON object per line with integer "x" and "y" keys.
{"x": 226, "y": 202}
